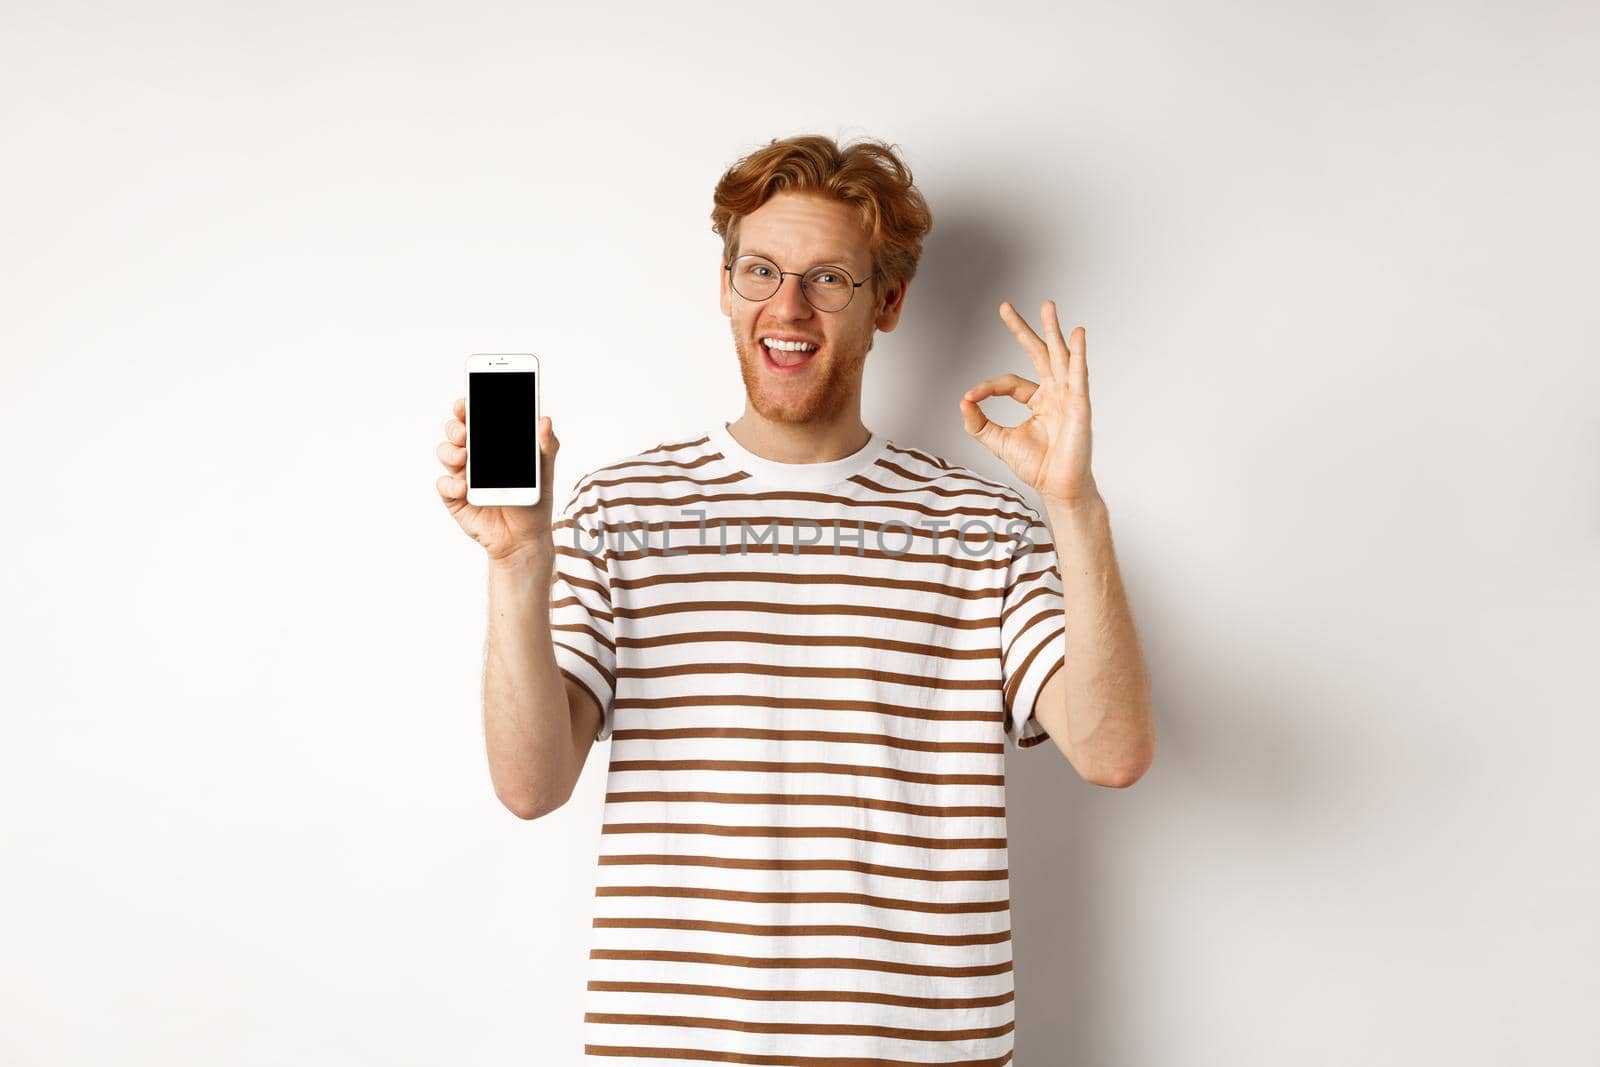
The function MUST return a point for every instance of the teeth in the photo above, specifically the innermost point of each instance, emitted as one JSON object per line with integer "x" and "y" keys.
{"x": 788, "y": 346}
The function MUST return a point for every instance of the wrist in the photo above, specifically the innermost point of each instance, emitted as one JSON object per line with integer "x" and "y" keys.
{"x": 1081, "y": 513}
{"x": 532, "y": 559}
{"x": 1086, "y": 503}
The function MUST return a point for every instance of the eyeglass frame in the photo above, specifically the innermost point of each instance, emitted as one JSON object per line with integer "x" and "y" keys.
{"x": 782, "y": 274}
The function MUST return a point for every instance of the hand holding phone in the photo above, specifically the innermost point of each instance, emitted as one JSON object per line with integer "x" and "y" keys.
{"x": 498, "y": 455}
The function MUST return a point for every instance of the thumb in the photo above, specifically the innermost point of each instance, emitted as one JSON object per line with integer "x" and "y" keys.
{"x": 549, "y": 445}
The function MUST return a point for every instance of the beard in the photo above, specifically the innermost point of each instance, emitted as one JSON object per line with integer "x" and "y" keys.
{"x": 819, "y": 394}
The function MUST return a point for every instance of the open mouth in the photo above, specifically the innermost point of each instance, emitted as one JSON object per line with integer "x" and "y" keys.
{"x": 786, "y": 358}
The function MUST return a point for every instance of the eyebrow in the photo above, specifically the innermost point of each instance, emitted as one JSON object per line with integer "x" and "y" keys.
{"x": 827, "y": 261}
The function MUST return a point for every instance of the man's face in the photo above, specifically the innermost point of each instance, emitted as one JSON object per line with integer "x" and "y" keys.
{"x": 797, "y": 232}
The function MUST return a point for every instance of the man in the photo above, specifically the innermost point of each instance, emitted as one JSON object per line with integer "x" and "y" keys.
{"x": 808, "y": 645}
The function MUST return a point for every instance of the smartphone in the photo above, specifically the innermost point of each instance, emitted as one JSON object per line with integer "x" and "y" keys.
{"x": 503, "y": 429}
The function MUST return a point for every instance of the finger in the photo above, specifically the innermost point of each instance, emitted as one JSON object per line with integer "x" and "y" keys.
{"x": 549, "y": 445}
{"x": 1036, "y": 349}
{"x": 454, "y": 457}
{"x": 460, "y": 408}
{"x": 1015, "y": 386}
{"x": 1060, "y": 357}
{"x": 1078, "y": 344}
{"x": 451, "y": 488}
{"x": 455, "y": 432}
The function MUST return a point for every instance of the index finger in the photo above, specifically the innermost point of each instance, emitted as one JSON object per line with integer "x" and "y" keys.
{"x": 460, "y": 409}
{"x": 1037, "y": 352}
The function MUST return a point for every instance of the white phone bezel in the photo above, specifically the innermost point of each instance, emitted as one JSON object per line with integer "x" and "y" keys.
{"x": 493, "y": 363}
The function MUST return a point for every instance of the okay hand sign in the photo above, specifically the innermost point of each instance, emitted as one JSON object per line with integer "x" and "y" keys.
{"x": 1050, "y": 448}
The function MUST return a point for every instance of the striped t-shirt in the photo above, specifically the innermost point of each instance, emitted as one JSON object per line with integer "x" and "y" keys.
{"x": 808, "y": 673}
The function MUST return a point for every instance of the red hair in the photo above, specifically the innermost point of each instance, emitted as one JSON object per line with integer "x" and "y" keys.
{"x": 866, "y": 175}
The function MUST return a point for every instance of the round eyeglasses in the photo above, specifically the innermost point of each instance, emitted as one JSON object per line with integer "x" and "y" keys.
{"x": 826, "y": 287}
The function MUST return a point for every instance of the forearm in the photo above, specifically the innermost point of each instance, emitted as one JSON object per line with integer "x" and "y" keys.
{"x": 527, "y": 723}
{"x": 1106, "y": 684}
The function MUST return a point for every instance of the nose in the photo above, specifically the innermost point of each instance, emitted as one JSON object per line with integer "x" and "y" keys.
{"x": 790, "y": 300}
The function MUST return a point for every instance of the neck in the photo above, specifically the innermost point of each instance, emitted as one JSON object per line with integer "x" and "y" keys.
{"x": 817, "y": 441}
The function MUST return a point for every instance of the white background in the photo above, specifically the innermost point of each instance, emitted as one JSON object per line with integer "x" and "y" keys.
{"x": 1337, "y": 265}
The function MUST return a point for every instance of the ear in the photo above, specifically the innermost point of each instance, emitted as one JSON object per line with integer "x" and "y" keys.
{"x": 894, "y": 302}
{"x": 725, "y": 296}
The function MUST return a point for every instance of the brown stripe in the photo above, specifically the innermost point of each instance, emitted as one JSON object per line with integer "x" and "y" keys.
{"x": 1043, "y": 590}
{"x": 937, "y": 907}
{"x": 579, "y": 627}
{"x": 572, "y": 601}
{"x": 656, "y": 479}
{"x": 851, "y": 995}
{"x": 669, "y": 796}
{"x": 1004, "y": 492}
{"x": 752, "y": 700}
{"x": 647, "y": 479}
{"x": 865, "y": 581}
{"x": 1045, "y": 616}
{"x": 936, "y": 490}
{"x": 846, "y": 640}
{"x": 700, "y": 461}
{"x": 1023, "y": 579}
{"x": 678, "y": 464}
{"x": 611, "y": 679}
{"x": 741, "y": 863}
{"x": 1031, "y": 575}
{"x": 815, "y": 1029}
{"x": 841, "y": 963}
{"x": 784, "y": 1060}
{"x": 911, "y": 937}
{"x": 833, "y": 736}
{"x": 567, "y": 575}
{"x": 776, "y": 608}
{"x": 847, "y": 832}
{"x": 804, "y": 767}
{"x": 779, "y": 670}
{"x": 928, "y": 458}
{"x": 701, "y": 440}
{"x": 792, "y": 551}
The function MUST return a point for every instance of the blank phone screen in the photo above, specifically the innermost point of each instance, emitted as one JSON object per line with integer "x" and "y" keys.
{"x": 502, "y": 446}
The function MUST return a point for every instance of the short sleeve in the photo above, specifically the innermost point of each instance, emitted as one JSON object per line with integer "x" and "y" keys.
{"x": 581, "y": 621}
{"x": 1033, "y": 634}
